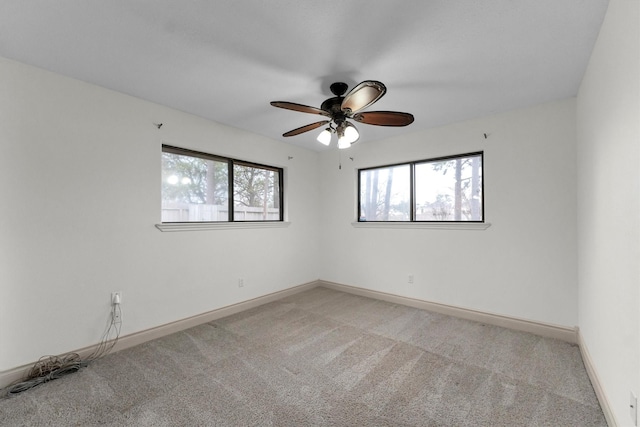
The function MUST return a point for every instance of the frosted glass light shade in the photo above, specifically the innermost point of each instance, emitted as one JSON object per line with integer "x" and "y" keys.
{"x": 325, "y": 137}
{"x": 343, "y": 143}
{"x": 351, "y": 134}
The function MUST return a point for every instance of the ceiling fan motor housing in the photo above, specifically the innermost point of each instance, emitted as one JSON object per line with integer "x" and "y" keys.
{"x": 333, "y": 107}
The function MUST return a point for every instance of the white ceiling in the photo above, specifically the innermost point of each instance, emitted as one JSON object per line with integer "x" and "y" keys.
{"x": 441, "y": 60}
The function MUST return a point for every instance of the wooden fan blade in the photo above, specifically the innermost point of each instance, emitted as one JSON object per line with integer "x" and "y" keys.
{"x": 306, "y": 128}
{"x": 299, "y": 107}
{"x": 384, "y": 118}
{"x": 363, "y": 95}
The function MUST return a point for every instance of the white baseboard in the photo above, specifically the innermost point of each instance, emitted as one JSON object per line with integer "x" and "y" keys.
{"x": 10, "y": 376}
{"x": 595, "y": 382}
{"x": 543, "y": 329}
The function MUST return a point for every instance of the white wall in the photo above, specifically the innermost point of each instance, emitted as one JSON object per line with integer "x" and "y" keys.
{"x": 608, "y": 135}
{"x": 524, "y": 265}
{"x": 80, "y": 194}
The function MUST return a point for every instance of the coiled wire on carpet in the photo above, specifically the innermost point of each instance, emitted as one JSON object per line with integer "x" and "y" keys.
{"x": 49, "y": 368}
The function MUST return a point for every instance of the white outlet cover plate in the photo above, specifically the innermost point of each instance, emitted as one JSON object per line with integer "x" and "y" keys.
{"x": 113, "y": 297}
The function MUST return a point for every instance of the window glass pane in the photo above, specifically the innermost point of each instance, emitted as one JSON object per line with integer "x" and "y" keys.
{"x": 256, "y": 193}
{"x": 385, "y": 194}
{"x": 449, "y": 190}
{"x": 194, "y": 189}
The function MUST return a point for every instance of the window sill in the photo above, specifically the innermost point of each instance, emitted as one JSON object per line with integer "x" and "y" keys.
{"x": 198, "y": 226}
{"x": 426, "y": 225}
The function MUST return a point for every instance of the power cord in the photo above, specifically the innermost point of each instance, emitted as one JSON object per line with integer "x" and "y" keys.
{"x": 49, "y": 368}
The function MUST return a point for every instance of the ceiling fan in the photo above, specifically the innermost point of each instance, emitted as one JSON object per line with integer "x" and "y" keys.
{"x": 340, "y": 108}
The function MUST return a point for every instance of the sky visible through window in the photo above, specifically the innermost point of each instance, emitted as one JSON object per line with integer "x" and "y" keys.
{"x": 445, "y": 190}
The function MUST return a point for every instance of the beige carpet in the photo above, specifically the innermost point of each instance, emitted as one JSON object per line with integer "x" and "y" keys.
{"x": 324, "y": 358}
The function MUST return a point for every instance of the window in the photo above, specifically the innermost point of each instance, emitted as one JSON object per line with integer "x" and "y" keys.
{"x": 446, "y": 189}
{"x": 200, "y": 187}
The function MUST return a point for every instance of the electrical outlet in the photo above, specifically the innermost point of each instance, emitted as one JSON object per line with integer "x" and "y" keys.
{"x": 116, "y": 298}
{"x": 116, "y": 311}
{"x": 240, "y": 283}
{"x": 633, "y": 408}
{"x": 410, "y": 279}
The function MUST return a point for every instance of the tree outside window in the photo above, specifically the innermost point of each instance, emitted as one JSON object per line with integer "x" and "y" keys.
{"x": 196, "y": 188}
{"x": 443, "y": 189}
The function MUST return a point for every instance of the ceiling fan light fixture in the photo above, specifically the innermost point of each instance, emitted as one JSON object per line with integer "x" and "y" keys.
{"x": 325, "y": 137}
{"x": 347, "y": 135}
{"x": 351, "y": 134}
